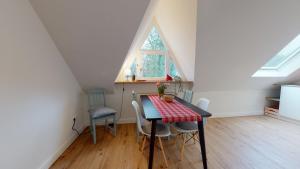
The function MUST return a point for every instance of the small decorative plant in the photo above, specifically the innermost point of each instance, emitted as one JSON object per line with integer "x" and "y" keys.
{"x": 178, "y": 80}
{"x": 161, "y": 87}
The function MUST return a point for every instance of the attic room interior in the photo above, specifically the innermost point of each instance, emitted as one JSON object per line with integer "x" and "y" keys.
{"x": 136, "y": 84}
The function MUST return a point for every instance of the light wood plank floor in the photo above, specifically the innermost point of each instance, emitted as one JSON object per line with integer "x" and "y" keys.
{"x": 257, "y": 142}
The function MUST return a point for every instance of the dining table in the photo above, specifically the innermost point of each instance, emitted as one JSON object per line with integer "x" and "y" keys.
{"x": 153, "y": 113}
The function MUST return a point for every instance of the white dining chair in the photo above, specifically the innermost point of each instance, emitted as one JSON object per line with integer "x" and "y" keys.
{"x": 203, "y": 104}
{"x": 145, "y": 129}
{"x": 188, "y": 96}
{"x": 134, "y": 97}
{"x": 189, "y": 130}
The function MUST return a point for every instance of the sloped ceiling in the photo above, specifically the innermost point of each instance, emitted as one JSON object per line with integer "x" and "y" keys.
{"x": 177, "y": 21}
{"x": 236, "y": 37}
{"x": 94, "y": 36}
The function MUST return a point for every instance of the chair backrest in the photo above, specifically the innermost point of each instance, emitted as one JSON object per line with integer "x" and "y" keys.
{"x": 203, "y": 103}
{"x": 96, "y": 98}
{"x": 133, "y": 95}
{"x": 188, "y": 96}
{"x": 136, "y": 108}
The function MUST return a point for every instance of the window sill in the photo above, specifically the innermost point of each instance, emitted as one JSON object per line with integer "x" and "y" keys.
{"x": 148, "y": 81}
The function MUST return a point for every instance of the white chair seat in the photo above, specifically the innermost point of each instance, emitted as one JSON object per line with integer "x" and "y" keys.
{"x": 162, "y": 130}
{"x": 186, "y": 127}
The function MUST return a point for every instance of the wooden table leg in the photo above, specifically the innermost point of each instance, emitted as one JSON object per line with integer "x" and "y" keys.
{"x": 152, "y": 142}
{"x": 202, "y": 143}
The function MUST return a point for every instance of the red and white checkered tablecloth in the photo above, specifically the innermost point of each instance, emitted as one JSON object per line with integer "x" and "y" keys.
{"x": 174, "y": 111}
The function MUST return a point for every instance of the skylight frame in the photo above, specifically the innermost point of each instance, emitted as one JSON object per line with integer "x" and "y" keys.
{"x": 284, "y": 62}
{"x": 293, "y": 54}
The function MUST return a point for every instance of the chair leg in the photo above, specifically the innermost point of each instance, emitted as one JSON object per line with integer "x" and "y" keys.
{"x": 91, "y": 125}
{"x": 93, "y": 131}
{"x": 176, "y": 138}
{"x": 137, "y": 133}
{"x": 105, "y": 124}
{"x": 193, "y": 136}
{"x": 182, "y": 148}
{"x": 168, "y": 126}
{"x": 115, "y": 125}
{"x": 143, "y": 143}
{"x": 163, "y": 151}
{"x": 204, "y": 121}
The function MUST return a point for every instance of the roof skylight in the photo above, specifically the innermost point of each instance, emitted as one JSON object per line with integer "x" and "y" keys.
{"x": 290, "y": 51}
{"x": 283, "y": 63}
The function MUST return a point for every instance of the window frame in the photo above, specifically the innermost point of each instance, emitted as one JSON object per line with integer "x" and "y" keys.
{"x": 289, "y": 64}
{"x": 293, "y": 54}
{"x": 166, "y": 52}
{"x": 140, "y": 61}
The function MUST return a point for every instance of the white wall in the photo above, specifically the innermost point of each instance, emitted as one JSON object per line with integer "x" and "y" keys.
{"x": 222, "y": 103}
{"x": 39, "y": 95}
{"x": 235, "y": 103}
{"x": 114, "y": 99}
{"x": 178, "y": 22}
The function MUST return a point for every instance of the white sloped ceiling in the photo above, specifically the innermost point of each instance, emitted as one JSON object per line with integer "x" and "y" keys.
{"x": 236, "y": 37}
{"x": 93, "y": 35}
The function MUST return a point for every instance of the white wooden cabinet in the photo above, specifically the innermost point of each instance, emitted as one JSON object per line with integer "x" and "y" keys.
{"x": 290, "y": 102}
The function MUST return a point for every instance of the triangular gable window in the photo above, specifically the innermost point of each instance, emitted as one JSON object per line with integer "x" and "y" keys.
{"x": 153, "y": 60}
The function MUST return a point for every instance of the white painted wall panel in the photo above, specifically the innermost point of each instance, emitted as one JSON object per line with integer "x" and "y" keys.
{"x": 290, "y": 102}
{"x": 235, "y": 103}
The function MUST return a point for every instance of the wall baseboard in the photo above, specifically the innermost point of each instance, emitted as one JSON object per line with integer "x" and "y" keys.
{"x": 47, "y": 164}
{"x": 127, "y": 120}
{"x": 236, "y": 114}
{"x": 121, "y": 121}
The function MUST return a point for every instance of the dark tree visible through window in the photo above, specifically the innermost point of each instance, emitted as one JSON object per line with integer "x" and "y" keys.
{"x": 153, "y": 41}
{"x": 154, "y": 65}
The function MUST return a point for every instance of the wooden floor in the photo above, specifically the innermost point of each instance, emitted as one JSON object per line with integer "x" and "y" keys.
{"x": 257, "y": 142}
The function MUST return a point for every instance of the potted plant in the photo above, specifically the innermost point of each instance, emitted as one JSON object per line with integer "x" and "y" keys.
{"x": 178, "y": 80}
{"x": 161, "y": 87}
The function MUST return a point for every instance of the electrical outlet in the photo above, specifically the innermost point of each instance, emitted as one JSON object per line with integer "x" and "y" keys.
{"x": 74, "y": 117}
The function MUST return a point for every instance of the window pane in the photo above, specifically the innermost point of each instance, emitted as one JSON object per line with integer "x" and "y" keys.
{"x": 275, "y": 61}
{"x": 154, "y": 65}
{"x": 286, "y": 53}
{"x": 153, "y": 41}
{"x": 173, "y": 70}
